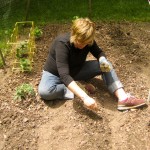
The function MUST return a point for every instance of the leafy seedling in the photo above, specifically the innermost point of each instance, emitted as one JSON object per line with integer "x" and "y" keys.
{"x": 24, "y": 91}
{"x": 25, "y": 64}
{"x": 38, "y": 33}
{"x": 22, "y": 50}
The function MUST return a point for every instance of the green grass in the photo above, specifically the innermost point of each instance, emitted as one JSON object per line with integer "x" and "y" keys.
{"x": 58, "y": 11}
{"x": 116, "y": 10}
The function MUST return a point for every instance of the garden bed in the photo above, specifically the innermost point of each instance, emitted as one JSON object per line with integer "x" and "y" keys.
{"x": 66, "y": 125}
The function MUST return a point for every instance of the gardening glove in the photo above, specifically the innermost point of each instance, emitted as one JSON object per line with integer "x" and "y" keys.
{"x": 90, "y": 103}
{"x": 104, "y": 64}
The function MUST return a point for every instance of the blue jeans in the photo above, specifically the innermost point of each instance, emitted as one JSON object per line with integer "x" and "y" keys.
{"x": 51, "y": 87}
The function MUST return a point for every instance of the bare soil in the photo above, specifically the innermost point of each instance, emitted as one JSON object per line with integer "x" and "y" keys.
{"x": 34, "y": 124}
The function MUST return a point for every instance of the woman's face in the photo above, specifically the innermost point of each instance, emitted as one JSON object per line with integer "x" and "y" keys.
{"x": 81, "y": 45}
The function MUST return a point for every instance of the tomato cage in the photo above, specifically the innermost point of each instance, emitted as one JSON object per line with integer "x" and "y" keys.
{"x": 22, "y": 43}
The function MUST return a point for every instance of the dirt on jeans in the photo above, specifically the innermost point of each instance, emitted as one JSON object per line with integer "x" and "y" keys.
{"x": 35, "y": 124}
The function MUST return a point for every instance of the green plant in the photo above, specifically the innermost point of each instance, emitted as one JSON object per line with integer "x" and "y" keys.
{"x": 76, "y": 17}
{"x": 24, "y": 91}
{"x": 38, "y": 33}
{"x": 4, "y": 47}
{"x": 7, "y": 34}
{"x": 25, "y": 64}
{"x": 22, "y": 49}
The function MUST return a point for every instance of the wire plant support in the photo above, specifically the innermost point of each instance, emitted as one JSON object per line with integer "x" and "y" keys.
{"x": 22, "y": 43}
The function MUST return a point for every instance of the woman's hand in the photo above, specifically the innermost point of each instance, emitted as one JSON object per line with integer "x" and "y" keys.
{"x": 90, "y": 103}
{"x": 105, "y": 65}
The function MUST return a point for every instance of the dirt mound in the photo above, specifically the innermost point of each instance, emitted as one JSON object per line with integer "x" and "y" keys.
{"x": 67, "y": 125}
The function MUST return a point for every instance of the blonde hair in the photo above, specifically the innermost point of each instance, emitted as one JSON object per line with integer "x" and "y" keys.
{"x": 82, "y": 30}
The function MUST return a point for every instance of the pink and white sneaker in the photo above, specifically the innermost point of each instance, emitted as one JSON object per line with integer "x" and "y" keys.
{"x": 130, "y": 103}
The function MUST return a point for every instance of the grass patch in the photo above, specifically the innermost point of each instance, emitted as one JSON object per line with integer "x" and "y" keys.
{"x": 64, "y": 11}
{"x": 58, "y": 11}
{"x": 119, "y": 10}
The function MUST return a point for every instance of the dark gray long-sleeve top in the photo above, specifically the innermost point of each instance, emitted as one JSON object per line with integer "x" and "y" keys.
{"x": 65, "y": 60}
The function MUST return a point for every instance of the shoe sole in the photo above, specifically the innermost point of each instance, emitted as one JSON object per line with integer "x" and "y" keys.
{"x": 130, "y": 107}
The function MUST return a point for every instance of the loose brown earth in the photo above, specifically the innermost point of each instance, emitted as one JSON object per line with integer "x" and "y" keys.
{"x": 66, "y": 125}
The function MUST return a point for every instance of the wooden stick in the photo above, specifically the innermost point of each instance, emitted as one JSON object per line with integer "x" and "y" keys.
{"x": 27, "y": 10}
{"x": 3, "y": 60}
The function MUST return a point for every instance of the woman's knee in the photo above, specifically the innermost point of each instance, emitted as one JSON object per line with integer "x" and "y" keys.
{"x": 45, "y": 93}
{"x": 54, "y": 92}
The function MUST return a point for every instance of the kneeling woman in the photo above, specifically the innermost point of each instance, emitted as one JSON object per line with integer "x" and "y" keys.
{"x": 66, "y": 63}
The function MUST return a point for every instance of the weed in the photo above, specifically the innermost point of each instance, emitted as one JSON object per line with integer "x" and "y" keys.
{"x": 22, "y": 49}
{"x": 76, "y": 17}
{"x": 25, "y": 64}
{"x": 24, "y": 91}
{"x": 38, "y": 33}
